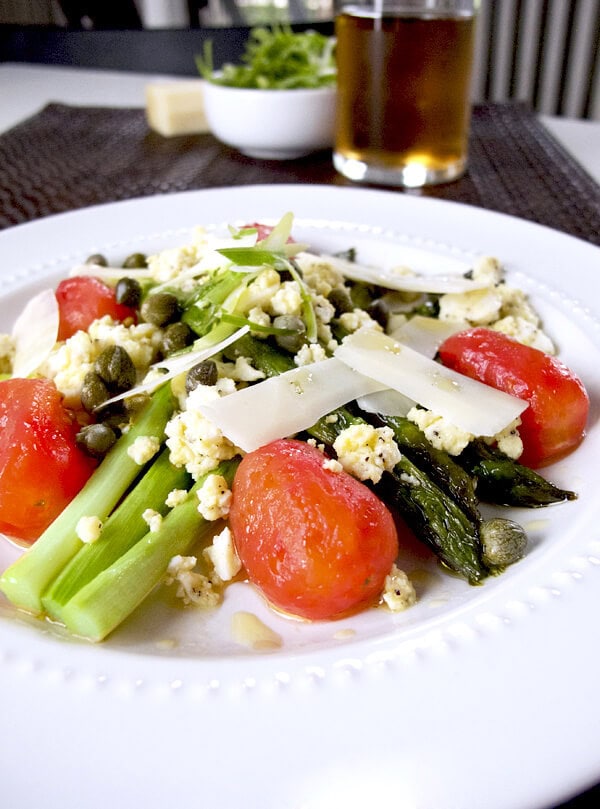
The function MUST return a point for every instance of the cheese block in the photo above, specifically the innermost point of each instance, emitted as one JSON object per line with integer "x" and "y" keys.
{"x": 176, "y": 107}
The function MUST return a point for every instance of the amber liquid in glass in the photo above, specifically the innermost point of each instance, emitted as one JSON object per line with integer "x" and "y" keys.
{"x": 403, "y": 96}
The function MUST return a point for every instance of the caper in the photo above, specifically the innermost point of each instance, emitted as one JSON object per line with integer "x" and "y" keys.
{"x": 361, "y": 295}
{"x": 128, "y": 292}
{"x": 96, "y": 439}
{"x": 379, "y": 312}
{"x": 98, "y": 259}
{"x": 176, "y": 337}
{"x": 295, "y": 340}
{"x": 114, "y": 416}
{"x": 429, "y": 308}
{"x": 160, "y": 309}
{"x": 339, "y": 297}
{"x": 116, "y": 368}
{"x": 93, "y": 391}
{"x": 205, "y": 373}
{"x": 504, "y": 542}
{"x": 136, "y": 261}
{"x": 133, "y": 404}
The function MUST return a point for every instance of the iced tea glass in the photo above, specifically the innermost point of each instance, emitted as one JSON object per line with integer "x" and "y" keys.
{"x": 404, "y": 80}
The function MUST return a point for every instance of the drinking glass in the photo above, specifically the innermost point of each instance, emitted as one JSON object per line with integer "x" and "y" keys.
{"x": 403, "y": 100}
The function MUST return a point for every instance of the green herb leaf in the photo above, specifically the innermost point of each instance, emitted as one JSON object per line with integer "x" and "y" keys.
{"x": 276, "y": 59}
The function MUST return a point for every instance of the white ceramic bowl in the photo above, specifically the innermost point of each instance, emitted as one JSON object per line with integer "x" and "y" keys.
{"x": 271, "y": 124}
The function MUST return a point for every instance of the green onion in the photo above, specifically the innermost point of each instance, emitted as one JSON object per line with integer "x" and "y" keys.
{"x": 120, "y": 532}
{"x": 99, "y": 607}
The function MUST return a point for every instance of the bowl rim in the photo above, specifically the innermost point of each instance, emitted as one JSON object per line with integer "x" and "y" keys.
{"x": 323, "y": 90}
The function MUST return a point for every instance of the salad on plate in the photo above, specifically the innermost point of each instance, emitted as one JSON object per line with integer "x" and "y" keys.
{"x": 240, "y": 408}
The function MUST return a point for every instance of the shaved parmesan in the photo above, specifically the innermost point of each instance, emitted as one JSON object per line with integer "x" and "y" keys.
{"x": 426, "y": 334}
{"x": 466, "y": 403}
{"x": 286, "y": 404}
{"x": 162, "y": 371}
{"x": 35, "y": 333}
{"x": 423, "y": 334}
{"x": 386, "y": 402}
{"x": 439, "y": 283}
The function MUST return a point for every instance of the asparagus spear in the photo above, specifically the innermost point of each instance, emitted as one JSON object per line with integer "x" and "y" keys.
{"x": 434, "y": 516}
{"x": 99, "y": 607}
{"x": 435, "y": 519}
{"x": 25, "y": 580}
{"x": 122, "y": 530}
{"x": 506, "y": 482}
{"x": 442, "y": 469}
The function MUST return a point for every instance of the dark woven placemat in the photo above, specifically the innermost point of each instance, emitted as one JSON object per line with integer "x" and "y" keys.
{"x": 71, "y": 157}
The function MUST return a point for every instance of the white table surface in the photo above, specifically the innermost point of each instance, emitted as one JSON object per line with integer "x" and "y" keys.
{"x": 25, "y": 89}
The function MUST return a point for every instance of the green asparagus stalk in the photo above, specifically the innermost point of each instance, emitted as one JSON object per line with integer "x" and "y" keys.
{"x": 503, "y": 481}
{"x": 435, "y": 519}
{"x": 103, "y": 604}
{"x": 25, "y": 580}
{"x": 122, "y": 530}
{"x": 441, "y": 468}
{"x": 433, "y": 515}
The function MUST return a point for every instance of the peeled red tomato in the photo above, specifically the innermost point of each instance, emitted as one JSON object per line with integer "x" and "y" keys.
{"x": 317, "y": 543}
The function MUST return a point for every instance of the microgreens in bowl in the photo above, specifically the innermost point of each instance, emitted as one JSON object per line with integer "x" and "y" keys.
{"x": 278, "y": 59}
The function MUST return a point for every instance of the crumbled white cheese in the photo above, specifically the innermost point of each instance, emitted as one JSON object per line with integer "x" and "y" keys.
{"x": 223, "y": 557}
{"x": 260, "y": 292}
{"x": 332, "y": 465}
{"x": 478, "y": 307}
{"x": 241, "y": 370}
{"x": 526, "y": 332}
{"x": 259, "y": 317}
{"x": 489, "y": 269}
{"x": 169, "y": 263}
{"x": 410, "y": 479}
{"x": 324, "y": 310}
{"x": 194, "y": 441}
{"x": 515, "y": 302}
{"x": 398, "y": 593}
{"x": 89, "y": 529}
{"x": 287, "y": 300}
{"x": 313, "y": 443}
{"x": 68, "y": 364}
{"x": 214, "y": 498}
{"x": 441, "y": 433}
{"x": 509, "y": 441}
{"x": 318, "y": 274}
{"x": 153, "y": 519}
{"x": 7, "y": 353}
{"x": 309, "y": 353}
{"x": 358, "y": 319}
{"x": 192, "y": 587}
{"x": 176, "y": 497}
{"x": 143, "y": 449}
{"x": 366, "y": 451}
{"x": 140, "y": 340}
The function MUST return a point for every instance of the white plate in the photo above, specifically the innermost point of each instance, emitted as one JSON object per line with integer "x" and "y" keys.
{"x": 476, "y": 697}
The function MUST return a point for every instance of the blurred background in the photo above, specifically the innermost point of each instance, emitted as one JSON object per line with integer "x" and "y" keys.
{"x": 544, "y": 53}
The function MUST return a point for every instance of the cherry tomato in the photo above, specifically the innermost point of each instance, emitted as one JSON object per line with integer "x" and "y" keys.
{"x": 41, "y": 467}
{"x": 317, "y": 543}
{"x": 83, "y": 299}
{"x": 554, "y": 423}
